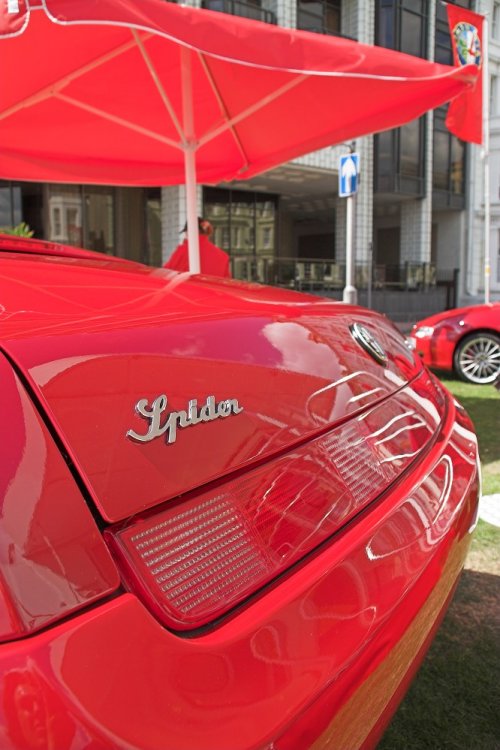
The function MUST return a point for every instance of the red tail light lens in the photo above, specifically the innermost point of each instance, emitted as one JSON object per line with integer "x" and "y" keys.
{"x": 199, "y": 557}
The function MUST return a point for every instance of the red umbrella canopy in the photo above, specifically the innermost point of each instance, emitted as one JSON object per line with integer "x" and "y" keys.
{"x": 124, "y": 92}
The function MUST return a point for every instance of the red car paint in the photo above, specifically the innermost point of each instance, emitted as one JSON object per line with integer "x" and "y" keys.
{"x": 437, "y": 338}
{"x": 288, "y": 664}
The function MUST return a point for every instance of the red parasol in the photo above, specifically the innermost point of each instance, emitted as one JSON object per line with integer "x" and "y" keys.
{"x": 145, "y": 92}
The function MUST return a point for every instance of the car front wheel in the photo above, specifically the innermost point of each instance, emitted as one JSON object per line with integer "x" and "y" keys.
{"x": 477, "y": 358}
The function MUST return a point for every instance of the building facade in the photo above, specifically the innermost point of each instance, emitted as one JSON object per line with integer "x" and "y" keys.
{"x": 419, "y": 213}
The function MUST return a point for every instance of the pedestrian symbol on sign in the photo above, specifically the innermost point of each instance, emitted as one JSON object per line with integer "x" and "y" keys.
{"x": 348, "y": 175}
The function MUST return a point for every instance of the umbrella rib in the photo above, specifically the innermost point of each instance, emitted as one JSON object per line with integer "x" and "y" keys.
{"x": 224, "y": 111}
{"x": 49, "y": 90}
{"x": 119, "y": 121}
{"x": 252, "y": 109}
{"x": 163, "y": 94}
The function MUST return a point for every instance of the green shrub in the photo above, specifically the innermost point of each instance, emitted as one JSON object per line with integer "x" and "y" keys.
{"x": 21, "y": 230}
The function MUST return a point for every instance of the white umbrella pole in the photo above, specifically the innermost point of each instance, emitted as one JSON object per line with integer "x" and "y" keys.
{"x": 192, "y": 210}
{"x": 190, "y": 164}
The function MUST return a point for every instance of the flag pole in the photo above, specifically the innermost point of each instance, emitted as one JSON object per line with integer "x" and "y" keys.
{"x": 486, "y": 161}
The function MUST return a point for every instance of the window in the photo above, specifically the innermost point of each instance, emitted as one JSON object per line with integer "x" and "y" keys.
{"x": 22, "y": 203}
{"x": 251, "y": 9}
{"x": 99, "y": 219}
{"x": 65, "y": 214}
{"x": 152, "y": 223}
{"x": 82, "y": 216}
{"x": 267, "y": 238}
{"x": 410, "y": 150}
{"x": 402, "y": 25}
{"x": 244, "y": 226}
{"x": 399, "y": 159}
{"x": 399, "y": 154}
{"x": 448, "y": 179}
{"x": 495, "y": 26}
{"x": 321, "y": 16}
{"x": 493, "y": 96}
{"x": 10, "y": 205}
{"x": 56, "y": 220}
{"x": 413, "y": 29}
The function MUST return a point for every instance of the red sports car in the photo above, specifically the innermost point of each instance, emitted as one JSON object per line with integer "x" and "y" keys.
{"x": 232, "y": 517}
{"x": 464, "y": 340}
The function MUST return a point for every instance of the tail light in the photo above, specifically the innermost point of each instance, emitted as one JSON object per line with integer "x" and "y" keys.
{"x": 199, "y": 557}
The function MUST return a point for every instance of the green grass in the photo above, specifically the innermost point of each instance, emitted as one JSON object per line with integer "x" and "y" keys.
{"x": 483, "y": 405}
{"x": 454, "y": 702}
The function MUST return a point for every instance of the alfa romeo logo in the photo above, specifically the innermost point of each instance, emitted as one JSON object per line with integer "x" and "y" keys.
{"x": 468, "y": 43}
{"x": 369, "y": 343}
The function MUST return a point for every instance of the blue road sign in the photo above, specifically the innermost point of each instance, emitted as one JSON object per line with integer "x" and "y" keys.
{"x": 348, "y": 175}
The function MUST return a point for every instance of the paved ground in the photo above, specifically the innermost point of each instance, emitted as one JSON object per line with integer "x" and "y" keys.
{"x": 489, "y": 509}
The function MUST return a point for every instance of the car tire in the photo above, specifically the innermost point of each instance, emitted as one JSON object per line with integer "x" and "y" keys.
{"x": 477, "y": 358}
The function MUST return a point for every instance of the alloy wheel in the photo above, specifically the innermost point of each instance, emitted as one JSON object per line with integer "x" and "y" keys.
{"x": 477, "y": 359}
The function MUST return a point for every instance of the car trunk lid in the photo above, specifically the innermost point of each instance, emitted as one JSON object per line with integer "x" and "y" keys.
{"x": 159, "y": 383}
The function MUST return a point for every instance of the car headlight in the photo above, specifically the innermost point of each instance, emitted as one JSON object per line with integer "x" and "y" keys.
{"x": 424, "y": 332}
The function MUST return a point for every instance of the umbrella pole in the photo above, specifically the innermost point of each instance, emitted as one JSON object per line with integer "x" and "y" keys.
{"x": 192, "y": 210}
{"x": 190, "y": 163}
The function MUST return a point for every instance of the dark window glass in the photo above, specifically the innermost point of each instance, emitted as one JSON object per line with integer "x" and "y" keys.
{"x": 217, "y": 210}
{"x": 82, "y": 216}
{"x": 399, "y": 163}
{"x": 385, "y": 153}
{"x": 152, "y": 208}
{"x": 99, "y": 219}
{"x": 265, "y": 227}
{"x": 322, "y": 16}
{"x": 399, "y": 160}
{"x": 242, "y": 235}
{"x": 6, "y": 216}
{"x": 402, "y": 25}
{"x": 441, "y": 162}
{"x": 244, "y": 222}
{"x": 10, "y": 205}
{"x": 412, "y": 34}
{"x": 410, "y": 146}
{"x": 17, "y": 212}
{"x": 385, "y": 33}
{"x": 31, "y": 194}
{"x": 22, "y": 203}
{"x": 457, "y": 166}
{"x": 251, "y": 9}
{"x": 449, "y": 156}
{"x": 66, "y": 214}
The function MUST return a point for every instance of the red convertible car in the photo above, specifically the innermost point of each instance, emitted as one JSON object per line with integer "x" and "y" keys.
{"x": 232, "y": 516}
{"x": 463, "y": 340}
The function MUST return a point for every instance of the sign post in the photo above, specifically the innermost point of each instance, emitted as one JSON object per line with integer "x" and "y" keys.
{"x": 348, "y": 187}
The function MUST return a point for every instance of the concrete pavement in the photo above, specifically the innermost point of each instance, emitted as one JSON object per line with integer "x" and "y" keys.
{"x": 489, "y": 509}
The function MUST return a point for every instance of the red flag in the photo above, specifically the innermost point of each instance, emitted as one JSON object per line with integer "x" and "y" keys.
{"x": 465, "y": 113}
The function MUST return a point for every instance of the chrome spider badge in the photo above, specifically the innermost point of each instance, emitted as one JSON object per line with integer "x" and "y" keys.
{"x": 174, "y": 420}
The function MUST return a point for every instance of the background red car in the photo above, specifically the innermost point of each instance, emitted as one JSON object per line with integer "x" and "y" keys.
{"x": 464, "y": 340}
